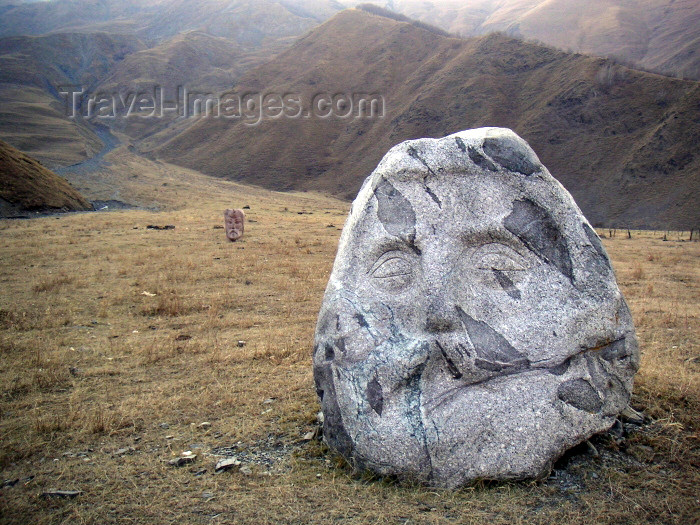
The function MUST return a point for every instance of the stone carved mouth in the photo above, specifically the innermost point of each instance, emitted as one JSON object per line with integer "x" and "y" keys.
{"x": 490, "y": 357}
{"x": 476, "y": 354}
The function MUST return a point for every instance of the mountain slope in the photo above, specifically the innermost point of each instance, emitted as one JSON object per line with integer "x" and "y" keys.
{"x": 251, "y": 23}
{"x": 662, "y": 35}
{"x": 194, "y": 60}
{"x": 109, "y": 48}
{"x": 36, "y": 123}
{"x": 62, "y": 59}
{"x": 38, "y": 18}
{"x": 27, "y": 186}
{"x": 624, "y": 142}
{"x": 248, "y": 22}
{"x": 33, "y": 72}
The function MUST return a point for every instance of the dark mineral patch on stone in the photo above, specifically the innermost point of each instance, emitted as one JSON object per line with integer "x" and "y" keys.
{"x": 614, "y": 351}
{"x": 601, "y": 262}
{"x": 333, "y": 428}
{"x": 395, "y": 212}
{"x": 361, "y": 320}
{"x": 560, "y": 370}
{"x": 413, "y": 401}
{"x": 506, "y": 284}
{"x": 414, "y": 153}
{"x": 598, "y": 375}
{"x": 435, "y": 198}
{"x": 481, "y": 161}
{"x": 509, "y": 154}
{"x": 375, "y": 396}
{"x": 454, "y": 371}
{"x": 460, "y": 144}
{"x": 580, "y": 394}
{"x": 539, "y": 232}
{"x": 493, "y": 351}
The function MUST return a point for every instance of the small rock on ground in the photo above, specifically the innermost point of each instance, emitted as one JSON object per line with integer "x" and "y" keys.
{"x": 226, "y": 464}
{"x": 61, "y": 493}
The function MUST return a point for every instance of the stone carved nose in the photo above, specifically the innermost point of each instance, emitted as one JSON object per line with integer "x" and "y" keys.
{"x": 440, "y": 319}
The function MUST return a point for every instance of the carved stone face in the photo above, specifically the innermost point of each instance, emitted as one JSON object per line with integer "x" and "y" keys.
{"x": 472, "y": 326}
{"x": 234, "y": 222}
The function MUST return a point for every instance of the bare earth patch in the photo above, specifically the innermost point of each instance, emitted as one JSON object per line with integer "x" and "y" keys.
{"x": 122, "y": 348}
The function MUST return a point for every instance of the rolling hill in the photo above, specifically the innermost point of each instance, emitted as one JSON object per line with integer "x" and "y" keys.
{"x": 622, "y": 141}
{"x": 36, "y": 122}
{"x": 33, "y": 72}
{"x": 248, "y": 22}
{"x": 62, "y": 59}
{"x": 193, "y": 59}
{"x": 26, "y": 186}
{"x": 110, "y": 48}
{"x": 662, "y": 35}
{"x": 38, "y": 18}
{"x": 251, "y": 23}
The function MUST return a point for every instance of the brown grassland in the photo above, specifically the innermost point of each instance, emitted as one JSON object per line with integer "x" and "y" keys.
{"x": 118, "y": 342}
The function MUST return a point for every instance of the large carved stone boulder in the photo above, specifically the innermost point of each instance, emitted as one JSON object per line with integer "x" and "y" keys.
{"x": 472, "y": 327}
{"x": 234, "y": 222}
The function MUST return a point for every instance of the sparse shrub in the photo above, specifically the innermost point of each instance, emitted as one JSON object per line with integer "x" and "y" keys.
{"x": 9, "y": 319}
{"x": 609, "y": 74}
{"x": 51, "y": 378}
{"x": 637, "y": 273}
{"x": 51, "y": 423}
{"x": 168, "y": 304}
{"x": 53, "y": 283}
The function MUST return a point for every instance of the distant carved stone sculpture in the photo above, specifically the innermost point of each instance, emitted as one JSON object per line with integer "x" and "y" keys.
{"x": 472, "y": 327}
{"x": 234, "y": 221}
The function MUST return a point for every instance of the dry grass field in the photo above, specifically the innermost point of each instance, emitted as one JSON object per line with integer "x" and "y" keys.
{"x": 118, "y": 343}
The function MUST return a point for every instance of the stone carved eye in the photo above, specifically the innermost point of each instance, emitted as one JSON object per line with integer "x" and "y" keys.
{"x": 504, "y": 265}
{"x": 393, "y": 270}
{"x": 496, "y": 256}
{"x": 392, "y": 267}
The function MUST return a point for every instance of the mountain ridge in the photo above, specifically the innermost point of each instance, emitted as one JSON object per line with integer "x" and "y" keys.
{"x": 656, "y": 35}
{"x": 112, "y": 48}
{"x": 590, "y": 120}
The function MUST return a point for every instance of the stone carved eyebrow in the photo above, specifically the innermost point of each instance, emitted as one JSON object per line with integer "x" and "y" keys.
{"x": 538, "y": 231}
{"x": 511, "y": 155}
